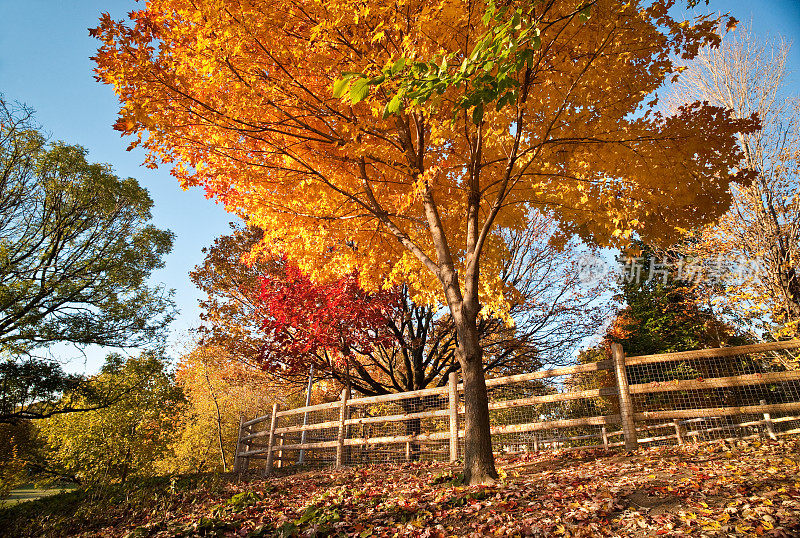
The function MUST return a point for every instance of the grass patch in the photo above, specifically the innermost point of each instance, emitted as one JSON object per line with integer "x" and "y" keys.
{"x": 29, "y": 492}
{"x": 84, "y": 510}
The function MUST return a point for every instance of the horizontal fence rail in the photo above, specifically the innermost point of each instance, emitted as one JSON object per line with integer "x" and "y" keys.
{"x": 713, "y": 353}
{"x": 621, "y": 401}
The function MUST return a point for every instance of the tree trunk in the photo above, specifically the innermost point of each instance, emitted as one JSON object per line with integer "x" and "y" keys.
{"x": 792, "y": 293}
{"x": 478, "y": 457}
{"x": 414, "y": 427}
{"x": 219, "y": 423}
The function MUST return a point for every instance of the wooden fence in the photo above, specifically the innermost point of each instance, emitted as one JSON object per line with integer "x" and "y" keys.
{"x": 689, "y": 395}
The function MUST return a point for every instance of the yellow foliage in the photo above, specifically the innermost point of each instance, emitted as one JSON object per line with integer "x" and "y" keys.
{"x": 236, "y": 96}
{"x": 218, "y": 392}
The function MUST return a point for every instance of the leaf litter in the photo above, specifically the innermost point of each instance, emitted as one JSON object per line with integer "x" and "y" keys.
{"x": 722, "y": 488}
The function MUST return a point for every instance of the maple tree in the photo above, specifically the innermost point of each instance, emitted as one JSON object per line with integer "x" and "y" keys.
{"x": 299, "y": 318}
{"x": 237, "y": 97}
{"x": 234, "y": 312}
{"x": 352, "y": 335}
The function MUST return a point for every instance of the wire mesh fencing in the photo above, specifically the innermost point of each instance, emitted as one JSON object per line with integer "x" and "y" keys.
{"x": 669, "y": 398}
{"x": 737, "y": 392}
{"x": 316, "y": 426}
{"x": 413, "y": 427}
{"x": 562, "y": 408}
{"x": 390, "y": 428}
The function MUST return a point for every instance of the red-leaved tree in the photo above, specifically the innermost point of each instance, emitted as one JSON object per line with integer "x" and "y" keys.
{"x": 302, "y": 321}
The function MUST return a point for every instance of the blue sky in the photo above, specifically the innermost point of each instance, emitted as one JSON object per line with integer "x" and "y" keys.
{"x": 44, "y": 62}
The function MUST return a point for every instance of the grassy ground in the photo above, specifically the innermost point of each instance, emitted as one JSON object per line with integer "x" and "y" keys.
{"x": 715, "y": 489}
{"x": 29, "y": 492}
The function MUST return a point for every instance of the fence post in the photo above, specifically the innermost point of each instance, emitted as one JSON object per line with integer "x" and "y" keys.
{"x": 271, "y": 444}
{"x": 625, "y": 404}
{"x": 248, "y": 444}
{"x": 452, "y": 393}
{"x": 342, "y": 429}
{"x": 280, "y": 451}
{"x": 696, "y": 436}
{"x": 768, "y": 423}
{"x": 237, "y": 459}
{"x": 301, "y": 456}
{"x": 535, "y": 442}
{"x": 678, "y": 433}
{"x": 367, "y": 434}
{"x": 604, "y": 436}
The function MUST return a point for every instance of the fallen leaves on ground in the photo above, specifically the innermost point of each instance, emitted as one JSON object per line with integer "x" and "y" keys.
{"x": 715, "y": 489}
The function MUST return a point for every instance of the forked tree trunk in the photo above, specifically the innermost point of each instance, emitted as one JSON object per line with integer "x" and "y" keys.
{"x": 478, "y": 457}
{"x": 464, "y": 307}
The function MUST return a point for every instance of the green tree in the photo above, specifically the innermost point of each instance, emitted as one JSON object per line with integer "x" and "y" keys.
{"x": 76, "y": 251}
{"x": 18, "y": 444}
{"x": 664, "y": 311}
{"x": 126, "y": 439}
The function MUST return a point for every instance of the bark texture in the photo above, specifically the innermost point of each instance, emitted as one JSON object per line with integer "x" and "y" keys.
{"x": 478, "y": 457}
